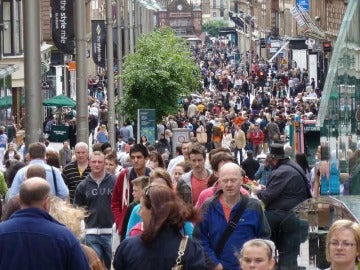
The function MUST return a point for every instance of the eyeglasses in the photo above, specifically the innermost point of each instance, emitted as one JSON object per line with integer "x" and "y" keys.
{"x": 336, "y": 244}
{"x": 147, "y": 191}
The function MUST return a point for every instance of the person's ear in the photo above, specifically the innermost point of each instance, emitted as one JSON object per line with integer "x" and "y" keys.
{"x": 46, "y": 204}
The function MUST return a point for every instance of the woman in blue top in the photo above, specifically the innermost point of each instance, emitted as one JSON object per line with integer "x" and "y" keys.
{"x": 327, "y": 175}
{"x": 162, "y": 177}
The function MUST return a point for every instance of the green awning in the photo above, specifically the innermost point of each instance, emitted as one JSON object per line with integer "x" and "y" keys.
{"x": 7, "y": 101}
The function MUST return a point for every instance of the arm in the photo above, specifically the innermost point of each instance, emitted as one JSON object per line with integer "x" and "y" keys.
{"x": 15, "y": 187}
{"x": 316, "y": 187}
{"x": 62, "y": 189}
{"x": 259, "y": 172}
{"x": 79, "y": 197}
{"x": 273, "y": 190}
{"x": 203, "y": 235}
{"x": 116, "y": 201}
{"x": 133, "y": 220}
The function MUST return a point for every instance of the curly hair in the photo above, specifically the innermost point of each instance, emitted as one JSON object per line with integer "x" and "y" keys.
{"x": 68, "y": 215}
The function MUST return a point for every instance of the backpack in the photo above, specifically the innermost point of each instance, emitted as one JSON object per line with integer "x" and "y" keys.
{"x": 216, "y": 131}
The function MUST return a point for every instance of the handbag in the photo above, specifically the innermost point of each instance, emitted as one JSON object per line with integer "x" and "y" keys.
{"x": 231, "y": 226}
{"x": 201, "y": 137}
{"x": 178, "y": 265}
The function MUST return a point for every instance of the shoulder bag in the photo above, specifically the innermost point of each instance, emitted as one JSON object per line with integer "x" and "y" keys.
{"x": 231, "y": 225}
{"x": 178, "y": 265}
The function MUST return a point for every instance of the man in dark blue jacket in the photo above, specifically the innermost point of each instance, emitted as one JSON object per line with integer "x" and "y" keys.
{"x": 32, "y": 239}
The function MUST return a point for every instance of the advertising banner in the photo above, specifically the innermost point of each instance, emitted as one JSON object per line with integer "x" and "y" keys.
{"x": 98, "y": 33}
{"x": 147, "y": 125}
{"x": 63, "y": 33}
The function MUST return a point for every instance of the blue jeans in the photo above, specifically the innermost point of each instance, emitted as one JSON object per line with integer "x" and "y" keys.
{"x": 102, "y": 245}
{"x": 237, "y": 150}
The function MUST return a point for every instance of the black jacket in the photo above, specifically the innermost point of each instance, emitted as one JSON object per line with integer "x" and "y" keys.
{"x": 286, "y": 187}
{"x": 132, "y": 254}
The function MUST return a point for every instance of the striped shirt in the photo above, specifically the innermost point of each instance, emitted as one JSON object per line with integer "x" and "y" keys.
{"x": 72, "y": 177}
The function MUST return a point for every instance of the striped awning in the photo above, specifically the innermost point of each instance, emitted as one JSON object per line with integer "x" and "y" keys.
{"x": 6, "y": 70}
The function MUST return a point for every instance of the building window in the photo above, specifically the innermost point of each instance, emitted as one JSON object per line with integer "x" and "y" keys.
{"x": 214, "y": 14}
{"x": 214, "y": 3}
{"x": 12, "y": 29}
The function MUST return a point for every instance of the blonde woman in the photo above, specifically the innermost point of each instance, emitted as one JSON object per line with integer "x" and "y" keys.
{"x": 343, "y": 245}
{"x": 72, "y": 218}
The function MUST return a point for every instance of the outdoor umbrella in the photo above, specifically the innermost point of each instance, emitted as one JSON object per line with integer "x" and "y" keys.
{"x": 60, "y": 101}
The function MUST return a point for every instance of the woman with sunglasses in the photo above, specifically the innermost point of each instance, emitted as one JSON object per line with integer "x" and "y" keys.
{"x": 164, "y": 215}
{"x": 343, "y": 245}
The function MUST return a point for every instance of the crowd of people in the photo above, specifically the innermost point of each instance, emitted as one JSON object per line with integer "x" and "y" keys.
{"x": 211, "y": 204}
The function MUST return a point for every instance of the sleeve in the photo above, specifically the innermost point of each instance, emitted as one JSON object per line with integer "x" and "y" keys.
{"x": 15, "y": 187}
{"x": 133, "y": 220}
{"x": 203, "y": 234}
{"x": 273, "y": 189}
{"x": 196, "y": 257}
{"x": 62, "y": 189}
{"x": 116, "y": 201}
{"x": 79, "y": 197}
{"x": 259, "y": 172}
{"x": 78, "y": 259}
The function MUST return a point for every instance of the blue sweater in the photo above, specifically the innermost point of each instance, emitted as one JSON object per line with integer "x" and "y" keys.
{"x": 32, "y": 239}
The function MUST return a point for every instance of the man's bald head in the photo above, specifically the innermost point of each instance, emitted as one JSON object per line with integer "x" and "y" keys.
{"x": 233, "y": 167}
{"x": 34, "y": 192}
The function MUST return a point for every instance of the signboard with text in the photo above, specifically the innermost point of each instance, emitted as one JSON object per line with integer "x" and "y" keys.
{"x": 146, "y": 125}
{"x": 98, "y": 33}
{"x": 63, "y": 33}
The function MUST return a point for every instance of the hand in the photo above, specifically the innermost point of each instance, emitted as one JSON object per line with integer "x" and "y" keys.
{"x": 256, "y": 190}
{"x": 219, "y": 267}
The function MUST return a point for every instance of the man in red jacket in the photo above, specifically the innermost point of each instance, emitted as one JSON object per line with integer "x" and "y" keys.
{"x": 122, "y": 192}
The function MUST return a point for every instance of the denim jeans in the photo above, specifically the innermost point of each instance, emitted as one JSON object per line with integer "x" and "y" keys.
{"x": 237, "y": 150}
{"x": 102, "y": 245}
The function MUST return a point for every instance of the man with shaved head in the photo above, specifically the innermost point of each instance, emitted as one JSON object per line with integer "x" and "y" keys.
{"x": 32, "y": 239}
{"x": 218, "y": 213}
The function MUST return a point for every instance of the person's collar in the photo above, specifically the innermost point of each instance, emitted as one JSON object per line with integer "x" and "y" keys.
{"x": 37, "y": 161}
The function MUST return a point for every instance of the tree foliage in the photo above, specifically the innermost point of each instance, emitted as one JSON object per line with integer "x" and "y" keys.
{"x": 158, "y": 74}
{"x": 212, "y": 27}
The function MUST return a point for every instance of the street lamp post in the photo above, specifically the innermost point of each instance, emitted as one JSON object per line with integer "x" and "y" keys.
{"x": 119, "y": 22}
{"x": 82, "y": 126}
{"x": 251, "y": 7}
{"x": 32, "y": 59}
{"x": 110, "y": 72}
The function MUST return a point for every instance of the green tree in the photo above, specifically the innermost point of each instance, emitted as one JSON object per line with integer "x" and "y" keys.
{"x": 158, "y": 74}
{"x": 212, "y": 27}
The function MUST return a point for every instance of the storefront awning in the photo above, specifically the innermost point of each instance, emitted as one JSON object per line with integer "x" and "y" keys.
{"x": 6, "y": 70}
